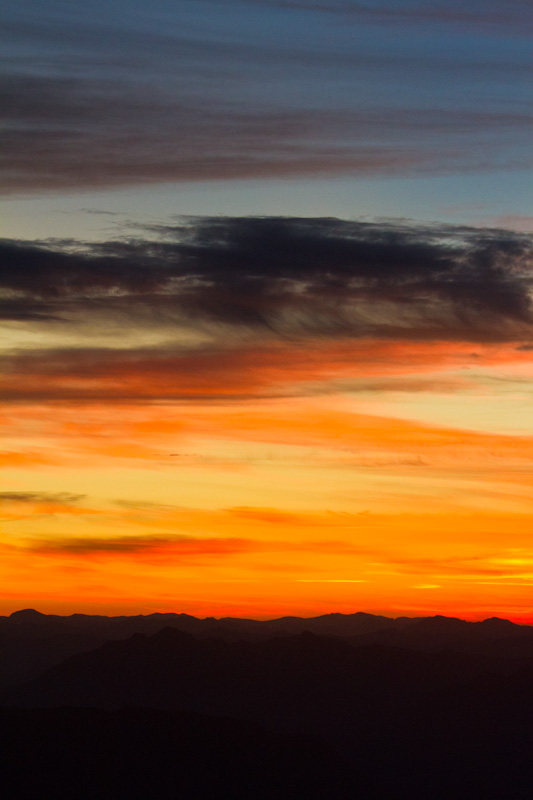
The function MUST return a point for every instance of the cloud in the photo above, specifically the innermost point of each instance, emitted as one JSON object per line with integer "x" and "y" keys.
{"x": 16, "y": 458}
{"x": 514, "y": 222}
{"x": 66, "y": 133}
{"x": 105, "y": 100}
{"x": 41, "y": 497}
{"x": 478, "y": 13}
{"x": 462, "y": 568}
{"x": 229, "y": 374}
{"x": 177, "y": 546}
{"x": 234, "y": 308}
{"x": 134, "y": 545}
{"x": 101, "y": 212}
{"x": 290, "y": 276}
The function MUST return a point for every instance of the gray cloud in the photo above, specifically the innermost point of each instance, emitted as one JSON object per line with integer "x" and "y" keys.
{"x": 290, "y": 275}
{"x": 91, "y": 101}
{"x": 149, "y": 545}
{"x": 68, "y": 132}
{"x": 183, "y": 546}
{"x": 41, "y": 497}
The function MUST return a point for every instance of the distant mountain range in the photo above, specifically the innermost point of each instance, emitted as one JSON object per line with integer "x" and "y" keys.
{"x": 31, "y": 642}
{"x": 414, "y": 707}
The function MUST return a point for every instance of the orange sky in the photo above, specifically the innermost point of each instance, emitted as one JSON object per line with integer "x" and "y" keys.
{"x": 302, "y": 502}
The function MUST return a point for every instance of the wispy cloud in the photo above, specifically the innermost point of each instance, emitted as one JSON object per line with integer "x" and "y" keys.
{"x": 115, "y": 136}
{"x": 482, "y": 14}
{"x": 237, "y": 374}
{"x": 468, "y": 568}
{"x": 178, "y": 546}
{"x": 41, "y": 497}
{"x": 136, "y": 545}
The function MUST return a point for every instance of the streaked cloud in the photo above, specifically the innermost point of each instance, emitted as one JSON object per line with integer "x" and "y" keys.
{"x": 118, "y": 135}
{"x": 41, "y": 497}
{"x": 135, "y": 545}
{"x": 114, "y": 99}
{"x": 480, "y": 13}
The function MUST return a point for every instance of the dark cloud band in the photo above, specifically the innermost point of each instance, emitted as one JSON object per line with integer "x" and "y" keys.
{"x": 288, "y": 276}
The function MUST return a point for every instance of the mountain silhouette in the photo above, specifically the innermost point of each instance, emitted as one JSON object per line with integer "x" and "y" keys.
{"x": 337, "y": 706}
{"x": 31, "y": 642}
{"x": 425, "y": 724}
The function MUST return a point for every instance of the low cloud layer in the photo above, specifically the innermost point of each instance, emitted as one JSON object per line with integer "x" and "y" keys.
{"x": 287, "y": 277}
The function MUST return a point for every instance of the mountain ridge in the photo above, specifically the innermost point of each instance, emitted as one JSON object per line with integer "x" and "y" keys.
{"x": 32, "y": 642}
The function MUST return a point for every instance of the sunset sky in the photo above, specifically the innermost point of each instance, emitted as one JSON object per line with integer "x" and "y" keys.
{"x": 267, "y": 318}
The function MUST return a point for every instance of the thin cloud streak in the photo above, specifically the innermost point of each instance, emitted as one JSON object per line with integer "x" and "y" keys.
{"x": 41, "y": 497}
{"x": 239, "y": 374}
{"x": 481, "y": 14}
{"x": 136, "y": 545}
{"x": 183, "y": 546}
{"x": 60, "y": 135}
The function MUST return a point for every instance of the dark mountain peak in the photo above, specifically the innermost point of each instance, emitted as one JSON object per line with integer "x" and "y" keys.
{"x": 496, "y": 627}
{"x": 27, "y": 615}
{"x": 440, "y": 622}
{"x": 340, "y": 615}
{"x": 497, "y": 622}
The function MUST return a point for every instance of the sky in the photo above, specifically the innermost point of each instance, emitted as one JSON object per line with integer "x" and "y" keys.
{"x": 266, "y": 307}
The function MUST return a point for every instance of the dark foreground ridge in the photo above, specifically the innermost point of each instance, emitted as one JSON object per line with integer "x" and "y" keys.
{"x": 365, "y": 706}
{"x": 141, "y": 753}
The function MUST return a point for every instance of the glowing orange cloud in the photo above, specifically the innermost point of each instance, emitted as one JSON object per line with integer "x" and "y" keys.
{"x": 277, "y": 369}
